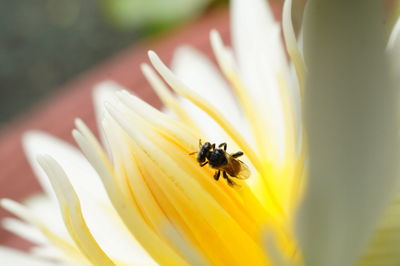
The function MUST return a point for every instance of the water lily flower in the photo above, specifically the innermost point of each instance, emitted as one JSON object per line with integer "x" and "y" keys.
{"x": 139, "y": 197}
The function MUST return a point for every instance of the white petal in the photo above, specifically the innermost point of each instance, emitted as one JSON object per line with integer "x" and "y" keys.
{"x": 24, "y": 230}
{"x": 393, "y": 49}
{"x": 97, "y": 210}
{"x": 131, "y": 217}
{"x": 70, "y": 206}
{"x": 171, "y": 105}
{"x": 81, "y": 174}
{"x": 352, "y": 124}
{"x": 46, "y": 208}
{"x": 197, "y": 71}
{"x": 49, "y": 253}
{"x": 293, "y": 47}
{"x": 261, "y": 60}
{"x": 31, "y": 216}
{"x": 13, "y": 257}
{"x": 287, "y": 25}
{"x": 394, "y": 36}
{"x": 182, "y": 89}
{"x": 113, "y": 237}
{"x": 103, "y": 92}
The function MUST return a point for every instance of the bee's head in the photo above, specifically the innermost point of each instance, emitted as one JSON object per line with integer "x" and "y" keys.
{"x": 204, "y": 150}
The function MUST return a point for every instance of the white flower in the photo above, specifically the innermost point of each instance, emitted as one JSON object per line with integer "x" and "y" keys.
{"x": 142, "y": 199}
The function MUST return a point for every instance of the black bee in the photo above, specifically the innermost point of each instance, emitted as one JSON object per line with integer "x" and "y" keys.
{"x": 222, "y": 161}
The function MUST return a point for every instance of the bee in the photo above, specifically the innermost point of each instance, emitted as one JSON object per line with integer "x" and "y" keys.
{"x": 222, "y": 161}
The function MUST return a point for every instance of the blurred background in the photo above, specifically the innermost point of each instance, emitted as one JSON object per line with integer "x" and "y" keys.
{"x": 44, "y": 43}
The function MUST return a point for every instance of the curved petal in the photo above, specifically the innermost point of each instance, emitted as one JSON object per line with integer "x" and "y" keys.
{"x": 72, "y": 213}
{"x": 118, "y": 195}
{"x": 394, "y": 38}
{"x": 291, "y": 43}
{"x": 43, "y": 206}
{"x": 24, "y": 230}
{"x": 96, "y": 207}
{"x": 49, "y": 253}
{"x": 262, "y": 64}
{"x": 13, "y": 257}
{"x": 393, "y": 49}
{"x": 182, "y": 89}
{"x": 197, "y": 71}
{"x": 103, "y": 92}
{"x": 174, "y": 186}
{"x": 81, "y": 173}
{"x": 351, "y": 116}
{"x": 63, "y": 244}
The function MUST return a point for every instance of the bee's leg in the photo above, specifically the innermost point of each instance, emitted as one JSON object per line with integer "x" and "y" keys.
{"x": 225, "y": 175}
{"x": 237, "y": 154}
{"x": 212, "y": 147}
{"x": 202, "y": 164}
{"x": 217, "y": 174}
{"x": 229, "y": 180}
{"x": 224, "y": 145}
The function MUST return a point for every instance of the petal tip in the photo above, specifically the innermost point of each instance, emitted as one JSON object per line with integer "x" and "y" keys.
{"x": 31, "y": 135}
{"x": 152, "y": 54}
{"x": 144, "y": 67}
{"x": 31, "y": 139}
{"x": 3, "y": 202}
{"x": 214, "y": 34}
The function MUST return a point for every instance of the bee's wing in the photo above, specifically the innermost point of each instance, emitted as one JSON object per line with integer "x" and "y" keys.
{"x": 244, "y": 172}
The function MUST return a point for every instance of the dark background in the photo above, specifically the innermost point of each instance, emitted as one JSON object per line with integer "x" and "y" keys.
{"x": 46, "y": 42}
